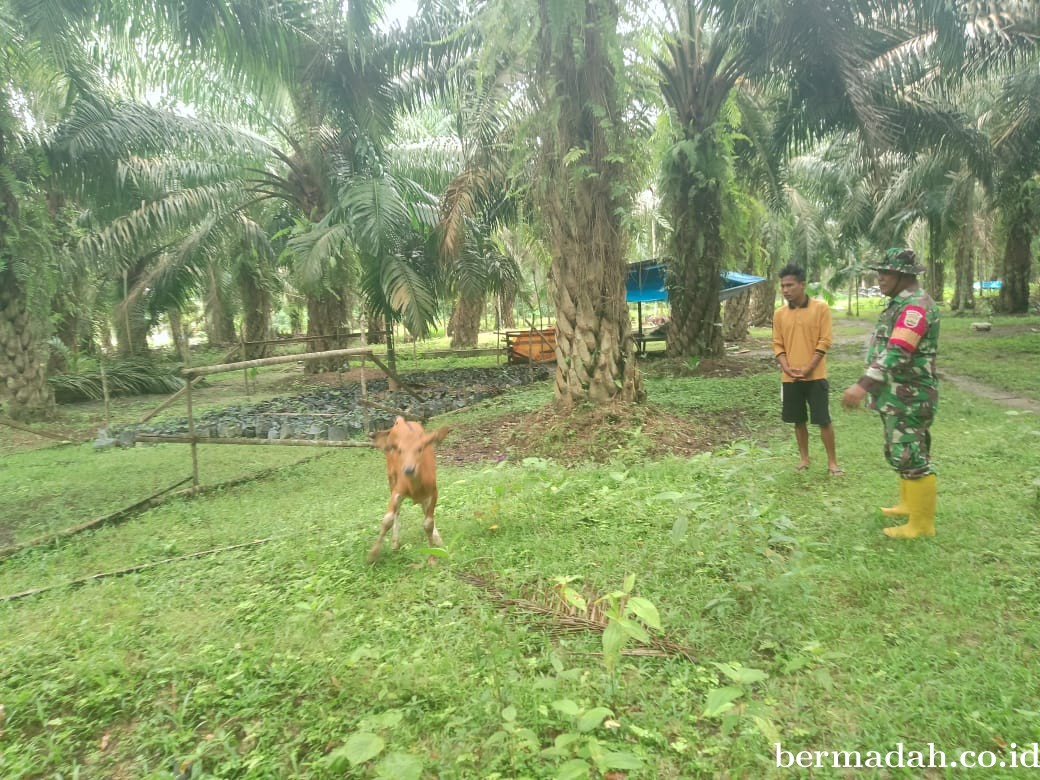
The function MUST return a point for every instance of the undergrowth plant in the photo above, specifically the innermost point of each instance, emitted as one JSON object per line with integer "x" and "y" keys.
{"x": 790, "y": 618}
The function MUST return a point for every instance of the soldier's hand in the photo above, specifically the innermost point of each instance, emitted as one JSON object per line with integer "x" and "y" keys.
{"x": 853, "y": 396}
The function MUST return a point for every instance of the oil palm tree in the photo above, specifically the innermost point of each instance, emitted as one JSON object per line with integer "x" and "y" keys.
{"x": 584, "y": 189}
{"x": 835, "y": 65}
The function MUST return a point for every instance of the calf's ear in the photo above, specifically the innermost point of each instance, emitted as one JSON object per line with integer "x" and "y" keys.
{"x": 379, "y": 438}
{"x": 437, "y": 436}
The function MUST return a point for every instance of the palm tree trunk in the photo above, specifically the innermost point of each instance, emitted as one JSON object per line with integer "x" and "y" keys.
{"x": 964, "y": 277}
{"x": 583, "y": 202}
{"x": 256, "y": 313}
{"x": 735, "y": 315}
{"x": 376, "y": 323}
{"x": 936, "y": 275}
{"x": 506, "y": 304}
{"x": 1014, "y": 293}
{"x": 694, "y": 283}
{"x": 325, "y": 317}
{"x": 130, "y": 318}
{"x": 220, "y": 321}
{"x": 763, "y": 296}
{"x": 595, "y": 359}
{"x": 178, "y": 332}
{"x": 23, "y": 379}
{"x": 466, "y": 321}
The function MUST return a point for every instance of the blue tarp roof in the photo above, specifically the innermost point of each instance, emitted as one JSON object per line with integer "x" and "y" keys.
{"x": 645, "y": 283}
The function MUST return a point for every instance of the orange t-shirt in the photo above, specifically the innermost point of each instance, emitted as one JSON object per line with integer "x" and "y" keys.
{"x": 800, "y": 332}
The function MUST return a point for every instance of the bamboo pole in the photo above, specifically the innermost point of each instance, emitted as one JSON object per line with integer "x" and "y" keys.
{"x": 191, "y": 432}
{"x": 192, "y": 439}
{"x": 131, "y": 569}
{"x": 242, "y": 346}
{"x": 270, "y": 361}
{"x": 183, "y": 390}
{"x": 365, "y": 417}
{"x": 301, "y": 339}
{"x": 400, "y": 382}
{"x": 113, "y": 517}
{"x": 104, "y": 383}
{"x": 45, "y": 434}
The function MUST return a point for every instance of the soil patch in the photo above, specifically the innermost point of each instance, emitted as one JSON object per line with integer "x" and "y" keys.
{"x": 614, "y": 432}
{"x": 743, "y": 363}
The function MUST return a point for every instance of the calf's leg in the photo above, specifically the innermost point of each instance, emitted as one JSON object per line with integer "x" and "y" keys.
{"x": 429, "y": 526}
{"x": 389, "y": 521}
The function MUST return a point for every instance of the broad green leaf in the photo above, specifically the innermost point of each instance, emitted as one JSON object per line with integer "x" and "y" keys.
{"x": 766, "y": 727}
{"x": 399, "y": 766}
{"x": 742, "y": 675}
{"x": 593, "y": 718}
{"x": 721, "y": 699}
{"x": 575, "y": 769}
{"x": 575, "y": 599}
{"x": 630, "y": 582}
{"x": 384, "y": 720}
{"x": 337, "y": 760}
{"x": 613, "y": 641}
{"x": 565, "y": 740}
{"x": 668, "y": 495}
{"x": 679, "y": 528}
{"x": 614, "y": 760}
{"x": 567, "y": 707}
{"x": 633, "y": 629}
{"x": 645, "y": 611}
{"x": 509, "y": 714}
{"x": 362, "y": 747}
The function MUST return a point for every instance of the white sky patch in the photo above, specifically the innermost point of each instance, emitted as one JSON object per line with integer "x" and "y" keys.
{"x": 400, "y": 11}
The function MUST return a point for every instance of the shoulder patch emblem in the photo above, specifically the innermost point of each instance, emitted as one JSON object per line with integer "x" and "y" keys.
{"x": 912, "y": 318}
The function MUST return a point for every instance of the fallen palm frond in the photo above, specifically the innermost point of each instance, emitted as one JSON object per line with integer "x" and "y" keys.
{"x": 547, "y": 602}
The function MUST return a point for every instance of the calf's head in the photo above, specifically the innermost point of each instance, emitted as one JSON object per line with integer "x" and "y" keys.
{"x": 409, "y": 449}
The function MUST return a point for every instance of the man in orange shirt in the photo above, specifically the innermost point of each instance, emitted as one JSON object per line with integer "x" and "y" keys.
{"x": 801, "y": 337}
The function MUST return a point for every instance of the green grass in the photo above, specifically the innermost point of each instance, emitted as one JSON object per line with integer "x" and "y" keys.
{"x": 294, "y": 658}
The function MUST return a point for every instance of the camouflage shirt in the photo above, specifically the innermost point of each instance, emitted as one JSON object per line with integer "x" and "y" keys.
{"x": 900, "y": 373}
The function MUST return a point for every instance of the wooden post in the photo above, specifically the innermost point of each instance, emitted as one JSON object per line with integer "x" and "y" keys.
{"x": 366, "y": 422}
{"x": 104, "y": 385}
{"x": 242, "y": 346}
{"x": 191, "y": 431}
{"x": 270, "y": 361}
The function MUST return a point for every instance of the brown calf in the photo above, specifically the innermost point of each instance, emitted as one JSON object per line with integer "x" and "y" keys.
{"x": 412, "y": 472}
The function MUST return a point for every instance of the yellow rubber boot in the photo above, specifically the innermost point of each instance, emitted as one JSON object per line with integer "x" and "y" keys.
{"x": 920, "y": 497}
{"x": 902, "y": 509}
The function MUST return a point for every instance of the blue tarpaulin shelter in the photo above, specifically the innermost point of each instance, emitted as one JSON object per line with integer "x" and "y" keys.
{"x": 645, "y": 283}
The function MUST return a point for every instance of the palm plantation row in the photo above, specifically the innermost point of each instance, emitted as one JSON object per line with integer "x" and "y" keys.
{"x": 239, "y": 156}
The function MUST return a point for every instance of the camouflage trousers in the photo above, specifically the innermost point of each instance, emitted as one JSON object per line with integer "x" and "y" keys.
{"x": 908, "y": 443}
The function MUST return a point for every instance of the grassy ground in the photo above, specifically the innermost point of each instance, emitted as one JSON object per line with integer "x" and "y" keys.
{"x": 803, "y": 624}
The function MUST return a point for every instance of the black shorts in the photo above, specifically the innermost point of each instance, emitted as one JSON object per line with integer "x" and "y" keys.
{"x": 795, "y": 396}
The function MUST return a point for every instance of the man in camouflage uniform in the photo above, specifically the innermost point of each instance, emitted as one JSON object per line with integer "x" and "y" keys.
{"x": 900, "y": 382}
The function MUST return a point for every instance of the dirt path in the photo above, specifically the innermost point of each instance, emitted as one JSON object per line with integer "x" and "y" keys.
{"x": 997, "y": 396}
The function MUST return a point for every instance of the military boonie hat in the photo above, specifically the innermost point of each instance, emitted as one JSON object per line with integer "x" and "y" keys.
{"x": 902, "y": 260}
